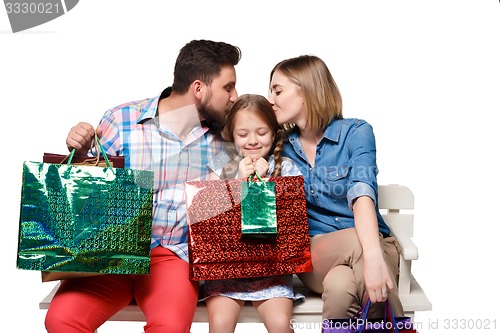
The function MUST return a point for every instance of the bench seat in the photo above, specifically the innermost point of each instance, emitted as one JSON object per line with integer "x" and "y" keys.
{"x": 396, "y": 205}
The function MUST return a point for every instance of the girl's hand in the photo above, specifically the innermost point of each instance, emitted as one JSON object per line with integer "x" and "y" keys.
{"x": 248, "y": 167}
{"x": 245, "y": 168}
{"x": 261, "y": 166}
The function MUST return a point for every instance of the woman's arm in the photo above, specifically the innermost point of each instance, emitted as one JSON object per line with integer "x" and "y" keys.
{"x": 378, "y": 281}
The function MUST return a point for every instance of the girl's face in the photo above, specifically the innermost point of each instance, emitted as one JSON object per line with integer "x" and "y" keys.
{"x": 252, "y": 135}
{"x": 287, "y": 100}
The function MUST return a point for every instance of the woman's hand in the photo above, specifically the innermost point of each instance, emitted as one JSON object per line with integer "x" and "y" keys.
{"x": 378, "y": 282}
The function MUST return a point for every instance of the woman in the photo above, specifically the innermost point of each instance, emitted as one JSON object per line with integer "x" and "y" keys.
{"x": 353, "y": 255}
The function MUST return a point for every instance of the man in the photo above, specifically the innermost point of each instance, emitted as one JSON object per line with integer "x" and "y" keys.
{"x": 174, "y": 134}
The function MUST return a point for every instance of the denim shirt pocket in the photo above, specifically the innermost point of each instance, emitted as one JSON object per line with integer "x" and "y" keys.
{"x": 337, "y": 172}
{"x": 337, "y": 177}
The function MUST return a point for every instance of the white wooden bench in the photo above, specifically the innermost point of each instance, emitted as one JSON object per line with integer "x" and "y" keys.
{"x": 396, "y": 206}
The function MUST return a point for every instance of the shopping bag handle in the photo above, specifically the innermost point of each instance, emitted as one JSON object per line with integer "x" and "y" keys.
{"x": 365, "y": 314}
{"x": 250, "y": 179}
{"x": 100, "y": 149}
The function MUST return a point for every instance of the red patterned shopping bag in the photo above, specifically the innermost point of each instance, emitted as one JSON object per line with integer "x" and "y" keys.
{"x": 217, "y": 248}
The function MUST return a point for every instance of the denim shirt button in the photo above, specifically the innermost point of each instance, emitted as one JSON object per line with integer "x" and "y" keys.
{"x": 336, "y": 219}
{"x": 312, "y": 191}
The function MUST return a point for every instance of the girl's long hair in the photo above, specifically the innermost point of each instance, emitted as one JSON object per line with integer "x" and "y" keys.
{"x": 259, "y": 105}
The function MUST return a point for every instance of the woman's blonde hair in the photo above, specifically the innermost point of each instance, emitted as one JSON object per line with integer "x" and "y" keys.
{"x": 322, "y": 99}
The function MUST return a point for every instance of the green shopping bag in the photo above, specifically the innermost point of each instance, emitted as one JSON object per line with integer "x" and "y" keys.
{"x": 87, "y": 219}
{"x": 258, "y": 208}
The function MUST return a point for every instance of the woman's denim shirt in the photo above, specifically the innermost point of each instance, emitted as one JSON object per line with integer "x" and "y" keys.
{"x": 345, "y": 169}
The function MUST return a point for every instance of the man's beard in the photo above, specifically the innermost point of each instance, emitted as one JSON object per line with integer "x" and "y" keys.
{"x": 214, "y": 120}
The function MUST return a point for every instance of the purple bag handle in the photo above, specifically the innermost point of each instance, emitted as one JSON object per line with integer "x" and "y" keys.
{"x": 365, "y": 314}
{"x": 393, "y": 320}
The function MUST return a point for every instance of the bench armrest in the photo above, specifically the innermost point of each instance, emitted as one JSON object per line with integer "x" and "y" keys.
{"x": 407, "y": 248}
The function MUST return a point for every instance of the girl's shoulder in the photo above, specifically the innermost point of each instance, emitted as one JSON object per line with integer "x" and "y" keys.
{"x": 288, "y": 168}
{"x": 216, "y": 165}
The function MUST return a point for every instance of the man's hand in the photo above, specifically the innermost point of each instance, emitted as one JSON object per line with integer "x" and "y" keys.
{"x": 80, "y": 138}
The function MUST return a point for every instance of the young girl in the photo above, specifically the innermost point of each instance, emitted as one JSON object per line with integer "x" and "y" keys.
{"x": 252, "y": 126}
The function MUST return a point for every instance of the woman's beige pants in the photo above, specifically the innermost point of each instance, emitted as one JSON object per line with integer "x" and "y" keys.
{"x": 338, "y": 274}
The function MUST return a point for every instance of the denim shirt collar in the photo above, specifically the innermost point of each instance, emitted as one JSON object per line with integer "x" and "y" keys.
{"x": 332, "y": 132}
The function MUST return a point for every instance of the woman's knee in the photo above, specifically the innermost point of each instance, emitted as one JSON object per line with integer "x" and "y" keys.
{"x": 340, "y": 299}
{"x": 335, "y": 248}
{"x": 339, "y": 281}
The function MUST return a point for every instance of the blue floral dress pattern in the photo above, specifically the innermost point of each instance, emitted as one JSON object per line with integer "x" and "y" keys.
{"x": 259, "y": 288}
{"x": 251, "y": 289}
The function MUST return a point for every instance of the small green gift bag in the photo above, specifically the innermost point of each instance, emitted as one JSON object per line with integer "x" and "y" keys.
{"x": 258, "y": 208}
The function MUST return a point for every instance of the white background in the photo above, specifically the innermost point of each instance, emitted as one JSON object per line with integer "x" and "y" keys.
{"x": 425, "y": 74}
